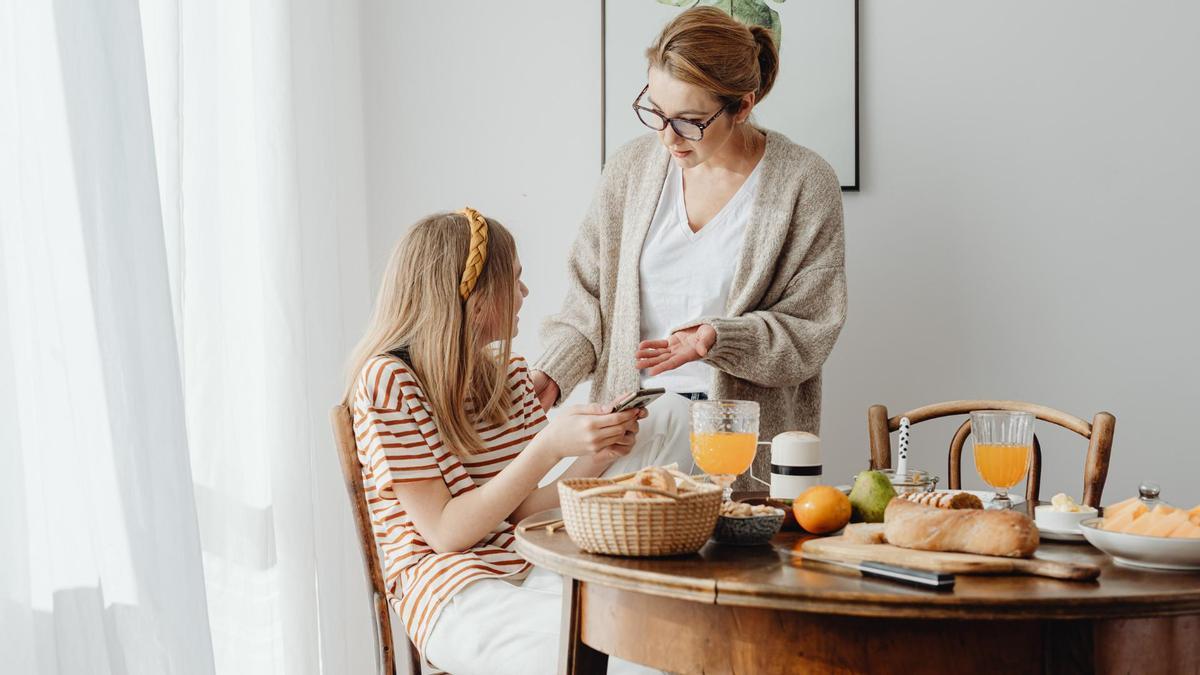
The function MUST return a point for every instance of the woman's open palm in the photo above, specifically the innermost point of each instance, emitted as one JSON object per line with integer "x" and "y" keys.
{"x": 684, "y": 346}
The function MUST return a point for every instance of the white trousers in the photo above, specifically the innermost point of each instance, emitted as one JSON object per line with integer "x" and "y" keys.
{"x": 494, "y": 627}
{"x": 498, "y": 627}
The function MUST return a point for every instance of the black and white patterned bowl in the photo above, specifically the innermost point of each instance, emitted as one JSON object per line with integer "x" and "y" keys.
{"x": 748, "y": 530}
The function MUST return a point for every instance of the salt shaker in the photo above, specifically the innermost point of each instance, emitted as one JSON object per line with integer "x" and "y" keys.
{"x": 1148, "y": 494}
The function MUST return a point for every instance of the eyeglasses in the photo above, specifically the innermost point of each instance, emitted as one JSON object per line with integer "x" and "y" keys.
{"x": 689, "y": 129}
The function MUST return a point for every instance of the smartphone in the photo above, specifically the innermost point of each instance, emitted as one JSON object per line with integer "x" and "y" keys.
{"x": 639, "y": 399}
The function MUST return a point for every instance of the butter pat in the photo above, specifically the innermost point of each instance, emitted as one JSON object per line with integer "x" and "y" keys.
{"x": 1063, "y": 503}
{"x": 1062, "y": 514}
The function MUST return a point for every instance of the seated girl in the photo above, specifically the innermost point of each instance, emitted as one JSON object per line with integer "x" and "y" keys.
{"x": 454, "y": 443}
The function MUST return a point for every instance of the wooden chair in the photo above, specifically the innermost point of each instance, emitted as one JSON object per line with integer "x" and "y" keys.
{"x": 1099, "y": 434}
{"x": 343, "y": 432}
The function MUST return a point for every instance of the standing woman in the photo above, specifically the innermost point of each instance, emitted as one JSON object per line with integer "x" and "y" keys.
{"x": 711, "y": 261}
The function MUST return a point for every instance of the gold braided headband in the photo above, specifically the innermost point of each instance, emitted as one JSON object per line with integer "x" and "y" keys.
{"x": 476, "y": 254}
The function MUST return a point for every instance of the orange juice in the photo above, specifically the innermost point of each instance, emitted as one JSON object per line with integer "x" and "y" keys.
{"x": 1002, "y": 466}
{"x": 723, "y": 452}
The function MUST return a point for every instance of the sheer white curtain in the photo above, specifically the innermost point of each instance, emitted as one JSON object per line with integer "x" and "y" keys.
{"x": 101, "y": 568}
{"x": 183, "y": 272}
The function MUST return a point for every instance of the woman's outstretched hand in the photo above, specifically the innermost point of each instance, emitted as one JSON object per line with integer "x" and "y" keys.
{"x": 685, "y": 346}
{"x": 545, "y": 389}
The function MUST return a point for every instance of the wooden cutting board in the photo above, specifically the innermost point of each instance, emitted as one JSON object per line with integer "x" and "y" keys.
{"x": 837, "y": 548}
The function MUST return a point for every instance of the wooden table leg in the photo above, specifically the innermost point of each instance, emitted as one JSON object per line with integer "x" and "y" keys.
{"x": 574, "y": 657}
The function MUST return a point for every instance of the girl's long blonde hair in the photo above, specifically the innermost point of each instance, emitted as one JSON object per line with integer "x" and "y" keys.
{"x": 420, "y": 311}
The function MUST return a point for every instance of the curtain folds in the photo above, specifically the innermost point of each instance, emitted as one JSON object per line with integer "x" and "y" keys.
{"x": 182, "y": 271}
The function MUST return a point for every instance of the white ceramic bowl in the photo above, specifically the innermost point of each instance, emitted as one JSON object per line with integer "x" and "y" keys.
{"x": 1139, "y": 550}
{"x": 1061, "y": 521}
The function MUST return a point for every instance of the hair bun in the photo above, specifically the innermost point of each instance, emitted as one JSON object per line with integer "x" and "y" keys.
{"x": 768, "y": 61}
{"x": 707, "y": 48}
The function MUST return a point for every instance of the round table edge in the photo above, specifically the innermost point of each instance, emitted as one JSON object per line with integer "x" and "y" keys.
{"x": 738, "y": 594}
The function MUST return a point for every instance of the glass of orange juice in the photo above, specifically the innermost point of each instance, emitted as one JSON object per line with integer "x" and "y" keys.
{"x": 724, "y": 439}
{"x": 1003, "y": 443}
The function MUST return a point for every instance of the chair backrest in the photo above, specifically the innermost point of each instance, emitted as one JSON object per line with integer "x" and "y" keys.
{"x": 343, "y": 432}
{"x": 1099, "y": 434}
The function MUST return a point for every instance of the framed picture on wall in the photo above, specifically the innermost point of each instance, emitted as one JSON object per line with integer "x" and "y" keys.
{"x": 815, "y": 98}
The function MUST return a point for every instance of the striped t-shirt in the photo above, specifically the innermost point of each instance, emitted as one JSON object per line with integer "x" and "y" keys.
{"x": 399, "y": 442}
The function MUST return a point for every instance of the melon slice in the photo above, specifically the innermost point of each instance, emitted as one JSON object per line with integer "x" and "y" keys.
{"x": 1122, "y": 520}
{"x": 1187, "y": 530}
{"x": 1116, "y": 509}
{"x": 1119, "y": 523}
{"x": 1164, "y": 525}
{"x": 1133, "y": 517}
{"x": 1142, "y": 525}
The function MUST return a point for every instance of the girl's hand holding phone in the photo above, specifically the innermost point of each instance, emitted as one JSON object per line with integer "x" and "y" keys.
{"x": 583, "y": 430}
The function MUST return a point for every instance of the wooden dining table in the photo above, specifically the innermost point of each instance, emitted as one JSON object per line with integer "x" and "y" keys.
{"x": 763, "y": 609}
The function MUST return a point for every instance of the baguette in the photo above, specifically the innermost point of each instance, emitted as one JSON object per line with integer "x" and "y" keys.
{"x": 954, "y": 499}
{"x": 927, "y": 528}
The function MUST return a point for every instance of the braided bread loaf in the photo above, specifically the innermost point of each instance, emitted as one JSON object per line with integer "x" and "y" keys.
{"x": 946, "y": 499}
{"x": 1003, "y": 533}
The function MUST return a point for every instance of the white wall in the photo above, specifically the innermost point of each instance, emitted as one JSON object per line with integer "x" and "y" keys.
{"x": 491, "y": 105}
{"x": 1026, "y": 226}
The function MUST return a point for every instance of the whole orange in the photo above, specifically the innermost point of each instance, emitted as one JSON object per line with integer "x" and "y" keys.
{"x": 822, "y": 509}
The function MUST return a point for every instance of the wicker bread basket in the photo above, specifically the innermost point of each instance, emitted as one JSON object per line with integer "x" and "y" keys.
{"x": 598, "y": 520}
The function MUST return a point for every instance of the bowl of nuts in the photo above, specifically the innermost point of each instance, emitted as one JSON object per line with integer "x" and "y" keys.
{"x": 744, "y": 524}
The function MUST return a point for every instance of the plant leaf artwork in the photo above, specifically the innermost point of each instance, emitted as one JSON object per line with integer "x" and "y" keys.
{"x": 749, "y": 12}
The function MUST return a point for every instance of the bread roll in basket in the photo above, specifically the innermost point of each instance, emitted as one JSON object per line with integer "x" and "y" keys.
{"x": 600, "y": 517}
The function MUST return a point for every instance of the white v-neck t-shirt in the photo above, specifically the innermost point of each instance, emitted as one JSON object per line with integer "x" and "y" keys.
{"x": 687, "y": 275}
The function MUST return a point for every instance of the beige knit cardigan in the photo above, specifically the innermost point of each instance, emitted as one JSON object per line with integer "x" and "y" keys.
{"x": 786, "y": 305}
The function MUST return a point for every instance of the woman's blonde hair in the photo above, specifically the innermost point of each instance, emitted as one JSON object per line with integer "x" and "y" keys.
{"x": 706, "y": 47}
{"x": 421, "y": 314}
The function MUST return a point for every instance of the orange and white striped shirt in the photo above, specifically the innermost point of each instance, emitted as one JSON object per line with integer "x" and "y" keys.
{"x": 399, "y": 442}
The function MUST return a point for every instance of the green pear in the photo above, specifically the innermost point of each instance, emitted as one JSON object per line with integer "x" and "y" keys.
{"x": 870, "y": 496}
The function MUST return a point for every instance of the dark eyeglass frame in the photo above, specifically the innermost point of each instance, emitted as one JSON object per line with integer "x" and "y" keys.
{"x": 672, "y": 120}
